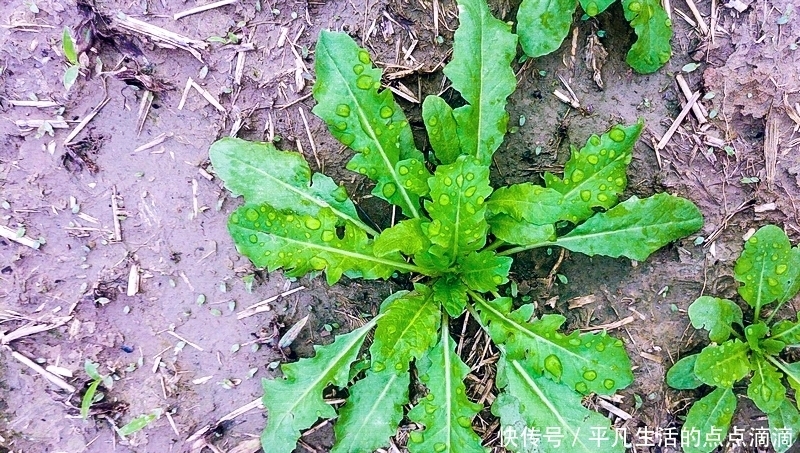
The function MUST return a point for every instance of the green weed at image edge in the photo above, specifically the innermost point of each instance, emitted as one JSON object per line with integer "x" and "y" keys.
{"x": 456, "y": 236}
{"x": 768, "y": 271}
{"x": 543, "y": 26}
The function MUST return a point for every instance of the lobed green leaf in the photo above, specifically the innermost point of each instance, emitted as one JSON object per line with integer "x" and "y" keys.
{"x": 509, "y": 409}
{"x": 407, "y": 330}
{"x": 792, "y": 372}
{"x": 596, "y": 175}
{"x": 367, "y": 120}
{"x": 635, "y": 228}
{"x": 784, "y": 426}
{"x": 767, "y": 268}
{"x": 295, "y": 402}
{"x": 483, "y": 49}
{"x": 302, "y": 243}
{"x": 585, "y": 362}
{"x": 446, "y": 412}
{"x": 754, "y": 334}
{"x": 681, "y": 376}
{"x": 505, "y": 228}
{"x": 406, "y": 237}
{"x": 282, "y": 179}
{"x": 765, "y": 388}
{"x": 653, "y": 28}
{"x": 442, "y": 129}
{"x": 723, "y": 365}
{"x": 545, "y": 404}
{"x": 450, "y": 292}
{"x": 712, "y": 413}
{"x": 716, "y": 316}
{"x": 372, "y": 413}
{"x": 528, "y": 202}
{"x": 484, "y": 271}
{"x": 787, "y": 332}
{"x": 457, "y": 209}
{"x": 543, "y": 25}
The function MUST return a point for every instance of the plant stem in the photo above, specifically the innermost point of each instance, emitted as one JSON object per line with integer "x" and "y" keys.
{"x": 774, "y": 312}
{"x": 495, "y": 245}
{"x": 780, "y": 365}
{"x": 370, "y": 231}
{"x": 522, "y": 248}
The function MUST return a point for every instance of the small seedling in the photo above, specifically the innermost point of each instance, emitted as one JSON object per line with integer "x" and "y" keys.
{"x": 542, "y": 27}
{"x": 74, "y": 67}
{"x": 91, "y": 396}
{"x": 139, "y": 423}
{"x": 768, "y": 271}
{"x": 457, "y": 235}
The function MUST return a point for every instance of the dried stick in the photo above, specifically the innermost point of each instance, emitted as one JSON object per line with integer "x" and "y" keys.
{"x": 668, "y": 135}
{"x": 200, "y": 9}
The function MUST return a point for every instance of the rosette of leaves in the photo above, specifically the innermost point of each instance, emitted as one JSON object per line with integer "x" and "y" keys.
{"x": 457, "y": 235}
{"x": 543, "y": 25}
{"x": 769, "y": 274}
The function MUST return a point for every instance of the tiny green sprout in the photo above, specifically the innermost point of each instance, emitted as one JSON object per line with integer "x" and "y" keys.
{"x": 91, "y": 395}
{"x": 139, "y": 423}
{"x": 73, "y": 70}
{"x": 690, "y": 67}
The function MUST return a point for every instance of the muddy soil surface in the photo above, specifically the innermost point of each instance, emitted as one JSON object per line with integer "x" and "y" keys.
{"x": 124, "y": 250}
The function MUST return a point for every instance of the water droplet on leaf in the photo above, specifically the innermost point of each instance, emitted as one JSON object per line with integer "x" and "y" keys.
{"x": 347, "y": 139}
{"x": 616, "y": 133}
{"x": 363, "y": 56}
{"x": 553, "y": 364}
{"x": 343, "y": 110}
{"x": 386, "y": 112}
{"x": 364, "y": 82}
{"x": 590, "y": 375}
{"x": 251, "y": 214}
{"x": 388, "y": 190}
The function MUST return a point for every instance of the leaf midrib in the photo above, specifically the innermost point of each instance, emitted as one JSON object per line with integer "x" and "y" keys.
{"x": 570, "y": 238}
{"x": 319, "y": 202}
{"x": 357, "y": 340}
{"x": 550, "y": 406}
{"x": 347, "y": 253}
{"x": 371, "y": 132}
{"x": 523, "y": 328}
{"x": 575, "y": 191}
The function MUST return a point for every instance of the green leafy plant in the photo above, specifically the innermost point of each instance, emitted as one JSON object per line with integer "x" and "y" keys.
{"x": 543, "y": 25}
{"x": 457, "y": 237}
{"x": 769, "y": 272}
{"x": 91, "y": 395}
{"x": 74, "y": 67}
